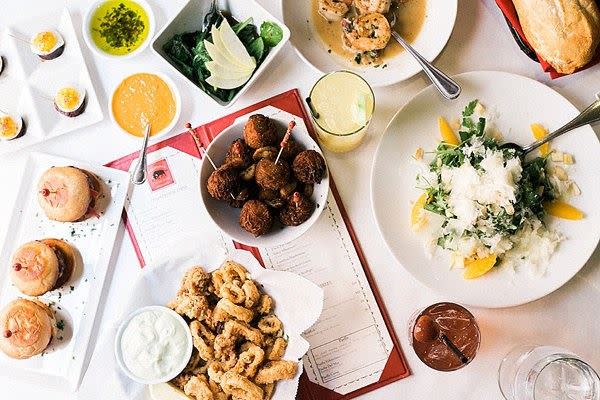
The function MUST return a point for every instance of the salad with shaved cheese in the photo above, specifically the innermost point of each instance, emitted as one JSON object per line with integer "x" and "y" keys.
{"x": 487, "y": 206}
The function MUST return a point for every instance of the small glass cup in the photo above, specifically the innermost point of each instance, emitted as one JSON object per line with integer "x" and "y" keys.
{"x": 342, "y": 105}
{"x": 445, "y": 336}
{"x": 546, "y": 373}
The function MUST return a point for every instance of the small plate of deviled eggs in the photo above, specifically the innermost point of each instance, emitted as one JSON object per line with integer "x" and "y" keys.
{"x": 45, "y": 86}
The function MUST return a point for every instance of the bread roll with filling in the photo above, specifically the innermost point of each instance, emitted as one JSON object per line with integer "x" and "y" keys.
{"x": 565, "y": 33}
{"x": 26, "y": 328}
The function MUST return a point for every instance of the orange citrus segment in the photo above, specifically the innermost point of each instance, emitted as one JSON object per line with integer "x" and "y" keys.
{"x": 417, "y": 217}
{"x": 447, "y": 133}
{"x": 539, "y": 132}
{"x": 563, "y": 210}
{"x": 474, "y": 268}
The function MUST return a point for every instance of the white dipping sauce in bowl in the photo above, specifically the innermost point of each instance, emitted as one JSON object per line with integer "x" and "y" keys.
{"x": 153, "y": 345}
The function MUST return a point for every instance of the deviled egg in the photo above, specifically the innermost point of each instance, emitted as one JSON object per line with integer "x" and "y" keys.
{"x": 48, "y": 44}
{"x": 70, "y": 100}
{"x": 11, "y": 126}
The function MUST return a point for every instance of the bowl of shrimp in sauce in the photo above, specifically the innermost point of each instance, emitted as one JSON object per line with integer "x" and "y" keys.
{"x": 356, "y": 35}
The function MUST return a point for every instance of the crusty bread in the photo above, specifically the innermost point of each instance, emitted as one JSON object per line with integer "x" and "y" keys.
{"x": 565, "y": 33}
{"x": 68, "y": 194}
{"x": 39, "y": 268}
{"x": 27, "y": 328}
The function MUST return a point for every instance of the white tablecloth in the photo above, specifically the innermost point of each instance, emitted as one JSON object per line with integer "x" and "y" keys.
{"x": 480, "y": 41}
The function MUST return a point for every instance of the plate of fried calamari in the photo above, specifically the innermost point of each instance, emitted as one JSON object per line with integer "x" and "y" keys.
{"x": 357, "y": 34}
{"x": 245, "y": 325}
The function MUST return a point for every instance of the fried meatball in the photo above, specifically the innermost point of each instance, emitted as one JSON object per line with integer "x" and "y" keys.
{"x": 256, "y": 218}
{"x": 239, "y": 154}
{"x": 309, "y": 167}
{"x": 223, "y": 183}
{"x": 298, "y": 209}
{"x": 272, "y": 176}
{"x": 260, "y": 131}
{"x": 291, "y": 149}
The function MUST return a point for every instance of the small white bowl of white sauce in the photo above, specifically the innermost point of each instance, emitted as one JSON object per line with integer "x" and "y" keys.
{"x": 153, "y": 345}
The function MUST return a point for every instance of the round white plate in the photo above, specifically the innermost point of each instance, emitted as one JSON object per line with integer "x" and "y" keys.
{"x": 436, "y": 30}
{"x": 227, "y": 218}
{"x": 516, "y": 102}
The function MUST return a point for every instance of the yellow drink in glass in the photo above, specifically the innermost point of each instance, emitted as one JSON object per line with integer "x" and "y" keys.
{"x": 342, "y": 105}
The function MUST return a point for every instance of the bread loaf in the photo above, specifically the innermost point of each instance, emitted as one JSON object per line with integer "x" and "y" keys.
{"x": 565, "y": 33}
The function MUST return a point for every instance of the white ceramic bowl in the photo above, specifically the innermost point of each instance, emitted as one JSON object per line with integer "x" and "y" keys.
{"x": 226, "y": 217}
{"x": 436, "y": 30}
{"x": 87, "y": 36}
{"x": 180, "y": 366}
{"x": 176, "y": 95}
{"x": 190, "y": 19}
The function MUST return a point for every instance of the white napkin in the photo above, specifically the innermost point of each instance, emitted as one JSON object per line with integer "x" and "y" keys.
{"x": 298, "y": 305}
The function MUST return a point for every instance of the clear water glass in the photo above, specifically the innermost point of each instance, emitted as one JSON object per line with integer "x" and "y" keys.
{"x": 547, "y": 373}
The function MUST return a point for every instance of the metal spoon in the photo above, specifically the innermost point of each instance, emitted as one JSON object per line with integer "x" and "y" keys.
{"x": 139, "y": 173}
{"x": 211, "y": 17}
{"x": 588, "y": 116}
{"x": 446, "y": 86}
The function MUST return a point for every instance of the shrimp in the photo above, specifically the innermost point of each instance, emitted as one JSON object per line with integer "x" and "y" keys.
{"x": 371, "y": 6}
{"x": 334, "y": 10}
{"x": 368, "y": 32}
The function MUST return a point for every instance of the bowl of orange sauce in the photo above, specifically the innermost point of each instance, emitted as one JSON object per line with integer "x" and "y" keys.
{"x": 142, "y": 98}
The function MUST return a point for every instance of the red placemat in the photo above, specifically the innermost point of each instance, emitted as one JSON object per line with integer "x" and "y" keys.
{"x": 396, "y": 367}
{"x": 508, "y": 9}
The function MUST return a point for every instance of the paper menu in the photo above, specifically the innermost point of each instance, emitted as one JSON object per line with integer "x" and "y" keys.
{"x": 159, "y": 226}
{"x": 350, "y": 344}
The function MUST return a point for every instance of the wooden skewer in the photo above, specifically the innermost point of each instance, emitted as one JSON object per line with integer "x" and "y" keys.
{"x": 286, "y": 137}
{"x": 18, "y": 38}
{"x": 202, "y": 150}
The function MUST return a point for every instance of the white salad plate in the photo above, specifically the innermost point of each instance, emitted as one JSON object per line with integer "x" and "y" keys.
{"x": 431, "y": 40}
{"x": 225, "y": 217}
{"x": 28, "y": 84}
{"x": 76, "y": 303}
{"x": 514, "y": 103}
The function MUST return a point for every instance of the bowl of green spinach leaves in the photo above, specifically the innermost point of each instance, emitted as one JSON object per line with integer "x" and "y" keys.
{"x": 182, "y": 43}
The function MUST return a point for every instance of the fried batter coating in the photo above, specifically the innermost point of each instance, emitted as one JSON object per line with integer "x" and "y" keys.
{"x": 276, "y": 371}
{"x": 265, "y": 304}
{"x": 268, "y": 390}
{"x": 260, "y": 131}
{"x": 270, "y": 324}
{"x": 276, "y": 350}
{"x": 239, "y": 154}
{"x": 249, "y": 361}
{"x": 216, "y": 370}
{"x": 233, "y": 271}
{"x": 198, "y": 388}
{"x": 256, "y": 218}
{"x": 225, "y": 306}
{"x": 203, "y": 338}
{"x": 240, "y": 387}
{"x": 233, "y": 292}
{"x": 239, "y": 329}
{"x": 251, "y": 293}
{"x": 193, "y": 306}
{"x": 180, "y": 380}
{"x": 309, "y": 167}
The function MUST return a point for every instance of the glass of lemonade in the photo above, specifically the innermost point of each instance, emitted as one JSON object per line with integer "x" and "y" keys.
{"x": 546, "y": 373}
{"x": 342, "y": 104}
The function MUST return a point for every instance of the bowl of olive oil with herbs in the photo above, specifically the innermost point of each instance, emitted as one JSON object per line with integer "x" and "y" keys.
{"x": 118, "y": 28}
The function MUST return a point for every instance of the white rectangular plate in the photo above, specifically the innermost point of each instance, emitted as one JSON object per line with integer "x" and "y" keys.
{"x": 28, "y": 84}
{"x": 76, "y": 303}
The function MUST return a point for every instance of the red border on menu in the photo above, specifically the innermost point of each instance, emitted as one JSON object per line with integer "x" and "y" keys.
{"x": 396, "y": 367}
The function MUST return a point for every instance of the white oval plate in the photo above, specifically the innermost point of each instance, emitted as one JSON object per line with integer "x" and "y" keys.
{"x": 436, "y": 30}
{"x": 516, "y": 103}
{"x": 227, "y": 218}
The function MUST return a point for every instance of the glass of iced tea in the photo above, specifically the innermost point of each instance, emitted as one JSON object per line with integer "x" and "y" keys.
{"x": 342, "y": 104}
{"x": 445, "y": 336}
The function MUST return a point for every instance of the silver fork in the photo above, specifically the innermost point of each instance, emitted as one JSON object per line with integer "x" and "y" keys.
{"x": 446, "y": 86}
